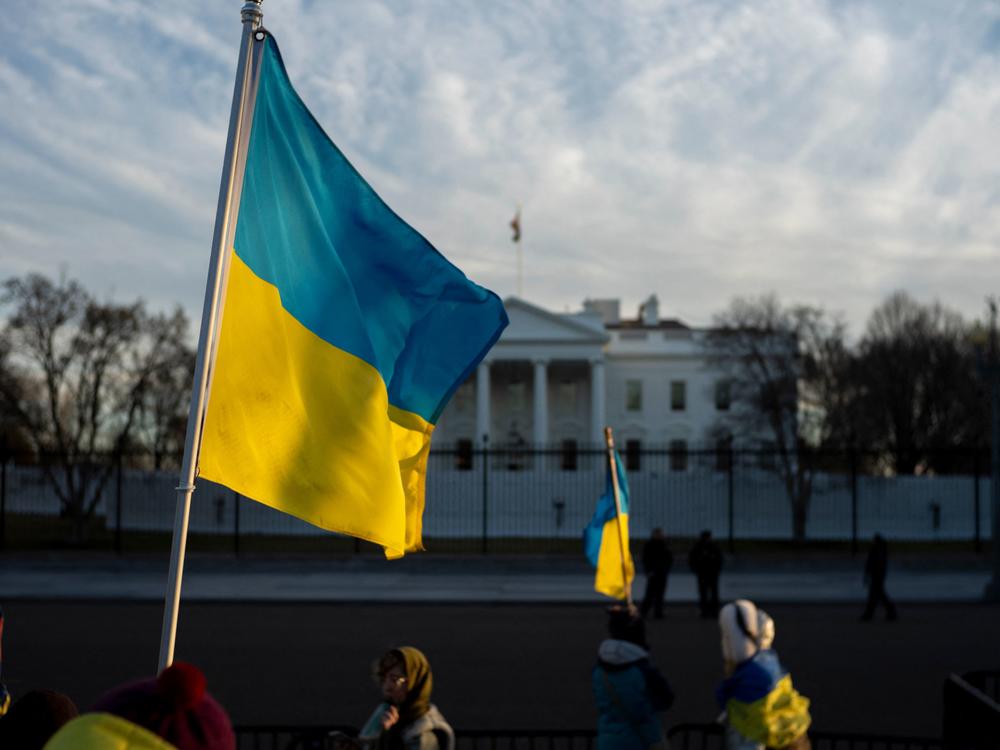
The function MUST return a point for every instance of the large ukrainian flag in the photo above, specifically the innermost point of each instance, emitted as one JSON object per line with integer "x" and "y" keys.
{"x": 343, "y": 336}
{"x": 600, "y": 539}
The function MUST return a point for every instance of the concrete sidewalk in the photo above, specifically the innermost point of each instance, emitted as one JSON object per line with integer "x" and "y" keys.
{"x": 456, "y": 580}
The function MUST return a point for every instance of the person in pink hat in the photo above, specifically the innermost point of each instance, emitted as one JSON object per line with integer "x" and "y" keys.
{"x": 171, "y": 712}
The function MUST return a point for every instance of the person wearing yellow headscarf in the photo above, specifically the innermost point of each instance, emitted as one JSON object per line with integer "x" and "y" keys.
{"x": 406, "y": 719}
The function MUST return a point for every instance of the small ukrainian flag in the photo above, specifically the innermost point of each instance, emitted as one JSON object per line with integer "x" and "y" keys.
{"x": 601, "y": 541}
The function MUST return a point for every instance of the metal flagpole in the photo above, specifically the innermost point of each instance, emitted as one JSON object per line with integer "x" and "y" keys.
{"x": 609, "y": 441}
{"x": 520, "y": 270}
{"x": 515, "y": 224}
{"x": 244, "y": 92}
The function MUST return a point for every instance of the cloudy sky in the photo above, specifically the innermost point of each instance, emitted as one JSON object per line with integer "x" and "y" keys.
{"x": 828, "y": 151}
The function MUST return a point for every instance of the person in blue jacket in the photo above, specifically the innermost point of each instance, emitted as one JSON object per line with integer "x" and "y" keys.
{"x": 628, "y": 688}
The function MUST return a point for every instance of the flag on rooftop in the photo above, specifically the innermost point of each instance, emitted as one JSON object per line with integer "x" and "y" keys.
{"x": 343, "y": 336}
{"x": 601, "y": 541}
{"x": 515, "y": 225}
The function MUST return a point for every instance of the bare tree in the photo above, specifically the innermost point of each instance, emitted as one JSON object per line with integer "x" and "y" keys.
{"x": 167, "y": 394}
{"x": 13, "y": 440}
{"x": 783, "y": 365}
{"x": 917, "y": 395}
{"x": 76, "y": 372}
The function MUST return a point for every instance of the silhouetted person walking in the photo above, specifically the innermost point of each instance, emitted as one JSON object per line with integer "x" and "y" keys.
{"x": 656, "y": 562}
{"x": 705, "y": 560}
{"x": 876, "y": 567}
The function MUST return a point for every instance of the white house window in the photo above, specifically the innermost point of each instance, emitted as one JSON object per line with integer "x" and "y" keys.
{"x": 633, "y": 455}
{"x": 568, "y": 455}
{"x": 464, "y": 398}
{"x": 724, "y": 453}
{"x": 517, "y": 396}
{"x": 678, "y": 395}
{"x": 633, "y": 395}
{"x": 566, "y": 397}
{"x": 678, "y": 455}
{"x": 463, "y": 454}
{"x": 723, "y": 395}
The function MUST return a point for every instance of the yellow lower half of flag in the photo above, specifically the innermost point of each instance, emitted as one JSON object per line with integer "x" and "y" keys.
{"x": 298, "y": 424}
{"x": 775, "y": 720}
{"x": 612, "y": 577}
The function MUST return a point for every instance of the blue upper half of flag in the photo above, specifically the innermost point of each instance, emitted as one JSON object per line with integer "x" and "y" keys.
{"x": 346, "y": 266}
{"x": 752, "y": 679}
{"x": 605, "y": 511}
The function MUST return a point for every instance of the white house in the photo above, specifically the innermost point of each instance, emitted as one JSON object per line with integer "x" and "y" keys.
{"x": 556, "y": 379}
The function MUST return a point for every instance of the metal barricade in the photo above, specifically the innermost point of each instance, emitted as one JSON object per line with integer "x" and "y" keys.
{"x": 681, "y": 737}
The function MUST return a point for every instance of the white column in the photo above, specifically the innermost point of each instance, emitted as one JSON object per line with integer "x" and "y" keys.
{"x": 541, "y": 407}
{"x": 482, "y": 402}
{"x": 597, "y": 416}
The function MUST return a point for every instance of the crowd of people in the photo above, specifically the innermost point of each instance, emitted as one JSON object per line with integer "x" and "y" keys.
{"x": 760, "y": 708}
{"x": 175, "y": 711}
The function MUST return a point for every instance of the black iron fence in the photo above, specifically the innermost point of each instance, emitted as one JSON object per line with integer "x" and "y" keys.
{"x": 681, "y": 737}
{"x": 712, "y": 737}
{"x": 518, "y": 499}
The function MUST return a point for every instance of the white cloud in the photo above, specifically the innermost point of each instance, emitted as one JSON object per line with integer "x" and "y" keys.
{"x": 830, "y": 151}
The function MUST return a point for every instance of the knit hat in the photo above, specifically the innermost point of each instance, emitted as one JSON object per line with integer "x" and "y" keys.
{"x": 34, "y": 718}
{"x": 745, "y": 630}
{"x": 175, "y": 706}
{"x": 625, "y": 625}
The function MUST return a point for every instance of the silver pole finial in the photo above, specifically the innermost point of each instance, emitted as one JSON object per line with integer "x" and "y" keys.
{"x": 251, "y": 12}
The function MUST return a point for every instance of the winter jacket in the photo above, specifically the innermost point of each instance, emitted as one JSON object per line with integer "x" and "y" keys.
{"x": 100, "y": 731}
{"x": 427, "y": 732}
{"x": 761, "y": 703}
{"x": 629, "y": 692}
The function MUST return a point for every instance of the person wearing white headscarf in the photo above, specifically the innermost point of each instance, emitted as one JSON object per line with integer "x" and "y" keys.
{"x": 761, "y": 707}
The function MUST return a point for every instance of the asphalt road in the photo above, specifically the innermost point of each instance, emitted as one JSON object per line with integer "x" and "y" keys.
{"x": 495, "y": 667}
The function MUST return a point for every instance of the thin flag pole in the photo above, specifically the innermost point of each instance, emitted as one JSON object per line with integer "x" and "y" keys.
{"x": 244, "y": 92}
{"x": 520, "y": 270}
{"x": 515, "y": 224}
{"x": 609, "y": 441}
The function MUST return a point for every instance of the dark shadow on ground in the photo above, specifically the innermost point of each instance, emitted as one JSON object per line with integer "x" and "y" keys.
{"x": 495, "y": 666}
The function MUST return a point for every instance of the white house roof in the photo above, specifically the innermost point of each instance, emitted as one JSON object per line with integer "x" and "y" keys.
{"x": 531, "y": 324}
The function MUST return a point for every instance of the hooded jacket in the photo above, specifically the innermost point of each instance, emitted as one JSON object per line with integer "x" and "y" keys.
{"x": 100, "y": 731}
{"x": 629, "y": 692}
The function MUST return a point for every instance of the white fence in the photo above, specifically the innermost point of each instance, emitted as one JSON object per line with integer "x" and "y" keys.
{"x": 558, "y": 504}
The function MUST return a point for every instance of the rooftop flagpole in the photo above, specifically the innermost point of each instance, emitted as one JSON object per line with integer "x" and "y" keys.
{"x": 515, "y": 224}
{"x": 244, "y": 92}
{"x": 610, "y": 443}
